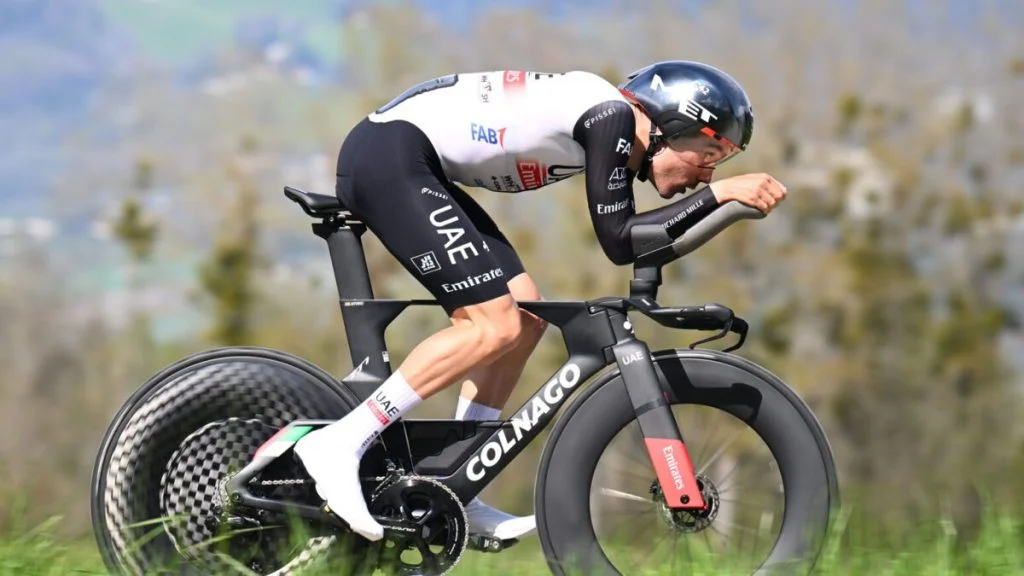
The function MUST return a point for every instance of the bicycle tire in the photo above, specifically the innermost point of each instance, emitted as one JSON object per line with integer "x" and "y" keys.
{"x": 245, "y": 383}
{"x": 724, "y": 381}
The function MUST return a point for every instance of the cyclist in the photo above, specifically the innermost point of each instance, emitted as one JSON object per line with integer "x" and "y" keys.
{"x": 399, "y": 171}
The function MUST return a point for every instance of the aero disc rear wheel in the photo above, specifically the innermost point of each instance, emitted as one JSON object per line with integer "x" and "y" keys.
{"x": 159, "y": 471}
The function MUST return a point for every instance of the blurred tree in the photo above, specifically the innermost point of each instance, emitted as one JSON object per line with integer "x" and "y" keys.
{"x": 137, "y": 232}
{"x": 849, "y": 111}
{"x": 227, "y": 276}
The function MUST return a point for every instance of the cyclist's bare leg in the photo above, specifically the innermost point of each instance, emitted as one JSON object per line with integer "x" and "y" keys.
{"x": 484, "y": 392}
{"x": 480, "y": 333}
{"x": 492, "y": 384}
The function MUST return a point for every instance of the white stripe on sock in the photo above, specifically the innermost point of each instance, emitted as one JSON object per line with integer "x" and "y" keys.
{"x": 469, "y": 410}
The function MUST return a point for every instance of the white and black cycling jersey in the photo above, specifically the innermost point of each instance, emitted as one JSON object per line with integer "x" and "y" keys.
{"x": 514, "y": 130}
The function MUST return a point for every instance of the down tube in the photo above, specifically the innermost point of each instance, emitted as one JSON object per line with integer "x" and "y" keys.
{"x": 523, "y": 427}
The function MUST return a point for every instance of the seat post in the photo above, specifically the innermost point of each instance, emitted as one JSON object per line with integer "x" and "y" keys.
{"x": 351, "y": 276}
{"x": 364, "y": 325}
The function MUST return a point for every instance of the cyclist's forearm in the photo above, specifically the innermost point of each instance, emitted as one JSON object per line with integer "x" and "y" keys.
{"x": 679, "y": 216}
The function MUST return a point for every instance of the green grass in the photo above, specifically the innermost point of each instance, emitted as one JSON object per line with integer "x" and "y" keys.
{"x": 997, "y": 550}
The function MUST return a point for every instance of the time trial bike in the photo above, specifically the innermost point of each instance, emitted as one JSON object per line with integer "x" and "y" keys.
{"x": 196, "y": 473}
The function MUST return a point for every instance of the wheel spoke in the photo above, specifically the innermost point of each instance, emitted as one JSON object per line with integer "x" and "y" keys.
{"x": 707, "y": 540}
{"x": 612, "y": 493}
{"x": 741, "y": 479}
{"x": 675, "y": 547}
{"x": 739, "y": 503}
{"x": 622, "y": 472}
{"x": 700, "y": 454}
{"x": 752, "y": 474}
{"x": 637, "y": 452}
{"x": 640, "y": 520}
{"x": 721, "y": 534}
{"x": 650, "y": 555}
{"x": 634, "y": 512}
{"x": 722, "y": 481}
{"x": 739, "y": 527}
{"x": 732, "y": 438}
{"x": 689, "y": 551}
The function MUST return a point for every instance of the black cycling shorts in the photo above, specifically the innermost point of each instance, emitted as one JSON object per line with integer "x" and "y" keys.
{"x": 390, "y": 177}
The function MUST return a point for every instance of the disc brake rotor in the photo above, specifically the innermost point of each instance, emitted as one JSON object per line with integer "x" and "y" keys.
{"x": 689, "y": 521}
{"x": 434, "y": 533}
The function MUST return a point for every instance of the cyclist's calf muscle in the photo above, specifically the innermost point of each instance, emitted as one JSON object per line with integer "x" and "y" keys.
{"x": 492, "y": 384}
{"x": 480, "y": 334}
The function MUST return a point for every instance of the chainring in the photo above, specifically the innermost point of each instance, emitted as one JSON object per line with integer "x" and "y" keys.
{"x": 440, "y": 537}
{"x": 194, "y": 500}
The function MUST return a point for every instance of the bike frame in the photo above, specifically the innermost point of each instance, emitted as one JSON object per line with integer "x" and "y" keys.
{"x": 596, "y": 333}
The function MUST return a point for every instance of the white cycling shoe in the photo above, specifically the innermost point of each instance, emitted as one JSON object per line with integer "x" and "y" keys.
{"x": 486, "y": 521}
{"x": 335, "y": 469}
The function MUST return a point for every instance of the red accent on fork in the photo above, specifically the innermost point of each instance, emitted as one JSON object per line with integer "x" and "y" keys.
{"x": 675, "y": 473}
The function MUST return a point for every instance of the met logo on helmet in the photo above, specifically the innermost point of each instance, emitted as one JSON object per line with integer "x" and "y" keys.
{"x": 687, "y": 106}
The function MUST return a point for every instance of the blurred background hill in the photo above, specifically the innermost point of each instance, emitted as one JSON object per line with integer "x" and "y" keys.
{"x": 147, "y": 142}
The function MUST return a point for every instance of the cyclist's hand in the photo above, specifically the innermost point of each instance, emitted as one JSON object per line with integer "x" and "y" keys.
{"x": 760, "y": 191}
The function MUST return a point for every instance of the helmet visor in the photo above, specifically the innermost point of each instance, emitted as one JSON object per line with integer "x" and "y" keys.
{"x": 712, "y": 148}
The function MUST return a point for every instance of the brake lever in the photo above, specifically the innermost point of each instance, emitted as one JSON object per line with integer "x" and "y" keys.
{"x": 728, "y": 319}
{"x": 716, "y": 312}
{"x": 740, "y": 327}
{"x": 719, "y": 336}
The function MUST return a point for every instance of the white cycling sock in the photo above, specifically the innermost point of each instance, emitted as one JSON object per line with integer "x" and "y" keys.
{"x": 331, "y": 454}
{"x": 388, "y": 403}
{"x": 469, "y": 410}
{"x": 483, "y": 518}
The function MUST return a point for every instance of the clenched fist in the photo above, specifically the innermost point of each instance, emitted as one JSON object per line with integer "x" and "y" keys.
{"x": 759, "y": 191}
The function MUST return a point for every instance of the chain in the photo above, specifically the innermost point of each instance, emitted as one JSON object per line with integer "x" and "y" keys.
{"x": 285, "y": 482}
{"x": 384, "y": 480}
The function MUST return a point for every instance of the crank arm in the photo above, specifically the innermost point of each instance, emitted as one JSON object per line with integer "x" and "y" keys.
{"x": 399, "y": 528}
{"x": 658, "y": 426}
{"x": 391, "y": 526}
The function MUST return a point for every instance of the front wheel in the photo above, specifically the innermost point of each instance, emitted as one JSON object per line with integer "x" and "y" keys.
{"x": 761, "y": 459}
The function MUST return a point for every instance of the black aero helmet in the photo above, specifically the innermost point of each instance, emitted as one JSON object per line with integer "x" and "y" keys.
{"x": 685, "y": 98}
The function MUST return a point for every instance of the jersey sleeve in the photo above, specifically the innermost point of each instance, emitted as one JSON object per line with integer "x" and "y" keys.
{"x": 605, "y": 131}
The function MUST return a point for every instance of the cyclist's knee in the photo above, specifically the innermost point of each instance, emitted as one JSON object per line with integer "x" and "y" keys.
{"x": 522, "y": 287}
{"x": 503, "y": 329}
{"x": 497, "y": 325}
{"x": 532, "y": 327}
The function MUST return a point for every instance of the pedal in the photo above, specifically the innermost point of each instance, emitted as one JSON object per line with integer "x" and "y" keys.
{"x": 483, "y": 543}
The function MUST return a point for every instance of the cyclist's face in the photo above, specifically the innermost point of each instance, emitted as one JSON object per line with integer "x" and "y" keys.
{"x": 686, "y": 163}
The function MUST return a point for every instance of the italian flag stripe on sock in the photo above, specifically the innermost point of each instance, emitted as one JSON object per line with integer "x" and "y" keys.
{"x": 282, "y": 441}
